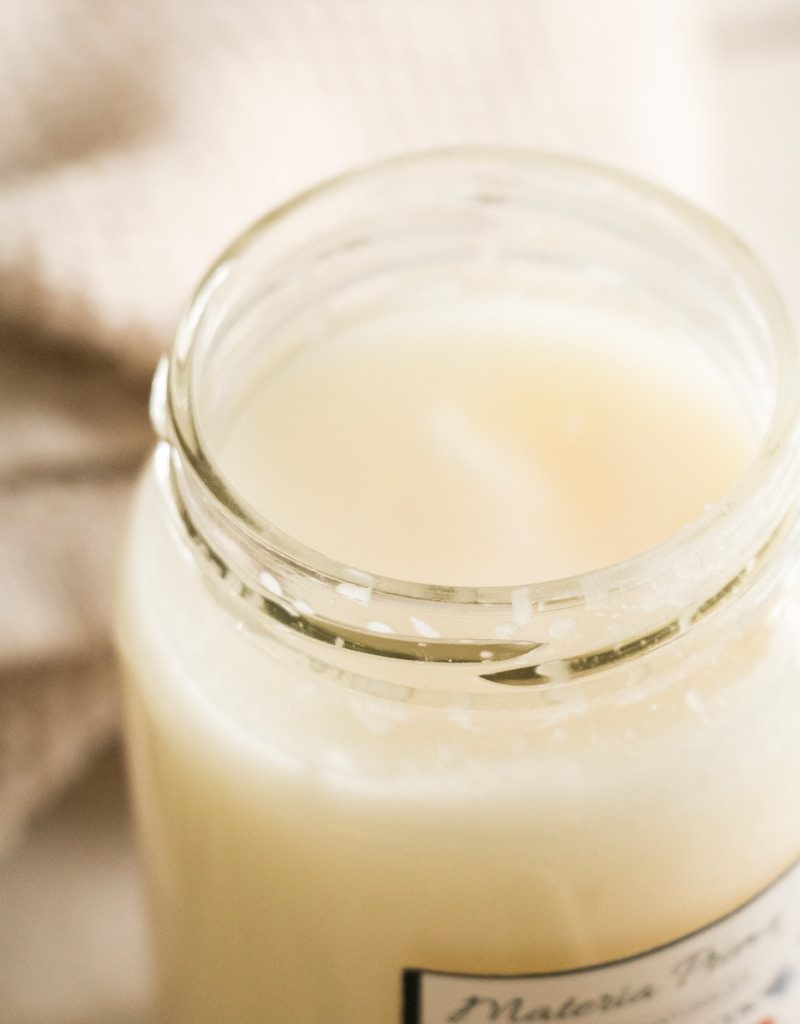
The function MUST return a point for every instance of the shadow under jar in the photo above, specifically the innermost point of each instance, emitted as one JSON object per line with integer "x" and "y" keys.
{"x": 363, "y": 800}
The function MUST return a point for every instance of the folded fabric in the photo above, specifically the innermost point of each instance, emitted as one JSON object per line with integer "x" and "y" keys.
{"x": 72, "y": 436}
{"x": 138, "y": 138}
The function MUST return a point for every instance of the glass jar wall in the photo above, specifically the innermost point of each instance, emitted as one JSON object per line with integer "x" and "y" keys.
{"x": 364, "y": 799}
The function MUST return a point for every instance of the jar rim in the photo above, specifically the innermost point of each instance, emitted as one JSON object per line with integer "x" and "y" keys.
{"x": 184, "y": 414}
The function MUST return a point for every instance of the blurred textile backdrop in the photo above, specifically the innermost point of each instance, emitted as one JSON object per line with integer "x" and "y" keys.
{"x": 137, "y": 138}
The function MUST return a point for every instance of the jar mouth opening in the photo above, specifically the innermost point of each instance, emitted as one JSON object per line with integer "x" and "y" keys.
{"x": 179, "y": 406}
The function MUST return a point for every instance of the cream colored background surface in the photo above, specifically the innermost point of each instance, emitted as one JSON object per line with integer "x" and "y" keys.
{"x": 73, "y": 945}
{"x": 135, "y": 139}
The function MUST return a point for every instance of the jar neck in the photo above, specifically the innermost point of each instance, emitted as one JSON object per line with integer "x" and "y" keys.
{"x": 542, "y": 634}
{"x": 471, "y": 215}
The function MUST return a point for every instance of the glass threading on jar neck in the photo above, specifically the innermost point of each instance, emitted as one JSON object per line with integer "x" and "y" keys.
{"x": 440, "y": 225}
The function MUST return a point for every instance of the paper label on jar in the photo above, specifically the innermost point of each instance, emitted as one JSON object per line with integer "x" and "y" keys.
{"x": 742, "y": 969}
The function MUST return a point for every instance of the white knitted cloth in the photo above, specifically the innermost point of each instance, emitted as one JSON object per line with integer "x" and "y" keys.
{"x": 137, "y": 138}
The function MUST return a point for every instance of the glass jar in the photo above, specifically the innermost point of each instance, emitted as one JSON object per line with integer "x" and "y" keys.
{"x": 365, "y": 799}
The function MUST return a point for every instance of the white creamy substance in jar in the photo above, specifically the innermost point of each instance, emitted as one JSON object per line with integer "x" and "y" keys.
{"x": 309, "y": 841}
{"x": 474, "y": 445}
